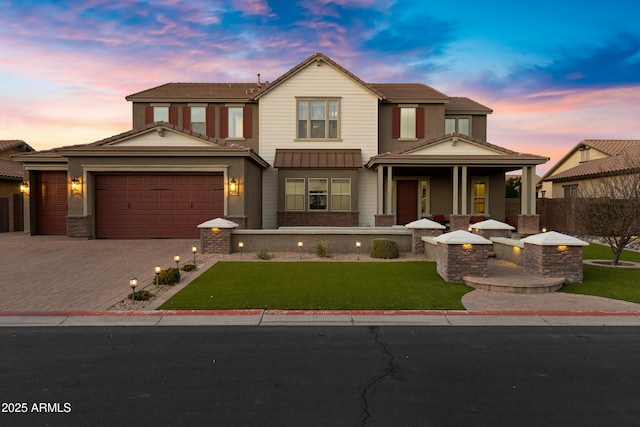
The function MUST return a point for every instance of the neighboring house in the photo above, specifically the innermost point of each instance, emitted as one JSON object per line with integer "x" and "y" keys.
{"x": 11, "y": 175}
{"x": 589, "y": 160}
{"x": 317, "y": 146}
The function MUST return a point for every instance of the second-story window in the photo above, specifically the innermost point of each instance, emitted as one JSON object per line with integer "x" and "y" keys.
{"x": 460, "y": 125}
{"x": 199, "y": 120}
{"x": 235, "y": 122}
{"x": 318, "y": 119}
{"x": 407, "y": 122}
{"x": 161, "y": 114}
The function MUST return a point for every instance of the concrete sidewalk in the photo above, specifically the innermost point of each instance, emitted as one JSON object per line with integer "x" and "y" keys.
{"x": 320, "y": 318}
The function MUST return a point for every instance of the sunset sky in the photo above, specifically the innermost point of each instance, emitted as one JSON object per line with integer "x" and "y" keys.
{"x": 554, "y": 72}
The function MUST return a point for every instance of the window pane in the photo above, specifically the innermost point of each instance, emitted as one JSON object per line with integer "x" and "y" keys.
{"x": 317, "y": 109}
{"x": 160, "y": 114}
{"x": 317, "y": 128}
{"x": 294, "y": 194}
{"x": 302, "y": 129}
{"x": 408, "y": 123}
{"x": 478, "y": 205}
{"x": 449, "y": 125}
{"x": 198, "y": 127}
{"x": 479, "y": 189}
{"x": 235, "y": 122}
{"x": 333, "y": 110}
{"x": 341, "y": 194}
{"x": 340, "y": 203}
{"x": 333, "y": 128}
{"x": 317, "y": 194}
{"x": 302, "y": 109}
{"x": 198, "y": 114}
{"x": 463, "y": 126}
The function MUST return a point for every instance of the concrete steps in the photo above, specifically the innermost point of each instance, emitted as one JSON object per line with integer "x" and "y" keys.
{"x": 508, "y": 278}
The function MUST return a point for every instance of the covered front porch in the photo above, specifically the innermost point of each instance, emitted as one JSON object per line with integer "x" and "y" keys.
{"x": 462, "y": 182}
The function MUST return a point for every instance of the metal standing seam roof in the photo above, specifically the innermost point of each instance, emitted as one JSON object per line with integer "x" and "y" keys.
{"x": 325, "y": 159}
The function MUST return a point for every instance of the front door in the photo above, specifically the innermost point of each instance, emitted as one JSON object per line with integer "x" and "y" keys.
{"x": 407, "y": 201}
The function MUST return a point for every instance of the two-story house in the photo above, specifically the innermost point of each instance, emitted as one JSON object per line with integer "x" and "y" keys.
{"x": 316, "y": 147}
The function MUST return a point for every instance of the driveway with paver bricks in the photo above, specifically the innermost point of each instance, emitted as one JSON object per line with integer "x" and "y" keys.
{"x": 55, "y": 273}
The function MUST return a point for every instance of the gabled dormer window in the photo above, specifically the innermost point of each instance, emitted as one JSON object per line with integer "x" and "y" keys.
{"x": 407, "y": 122}
{"x": 318, "y": 119}
{"x": 460, "y": 125}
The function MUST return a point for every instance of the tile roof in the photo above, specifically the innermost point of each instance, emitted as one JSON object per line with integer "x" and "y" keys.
{"x": 11, "y": 170}
{"x": 326, "y": 159}
{"x": 627, "y": 160}
{"x": 8, "y": 144}
{"x": 611, "y": 147}
{"x": 197, "y": 91}
{"x": 409, "y": 92}
{"x": 462, "y": 104}
{"x": 391, "y": 92}
{"x": 501, "y": 157}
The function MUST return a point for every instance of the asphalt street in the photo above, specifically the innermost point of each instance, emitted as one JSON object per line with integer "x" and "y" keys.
{"x": 320, "y": 376}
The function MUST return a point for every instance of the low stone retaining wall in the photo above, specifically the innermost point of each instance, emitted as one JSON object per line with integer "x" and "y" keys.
{"x": 507, "y": 249}
{"x": 341, "y": 240}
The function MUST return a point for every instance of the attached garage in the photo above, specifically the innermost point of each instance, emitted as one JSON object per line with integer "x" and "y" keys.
{"x": 51, "y": 202}
{"x": 143, "y": 206}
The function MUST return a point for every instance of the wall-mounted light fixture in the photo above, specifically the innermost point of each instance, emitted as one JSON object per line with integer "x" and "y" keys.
{"x": 24, "y": 187}
{"x": 233, "y": 187}
{"x": 562, "y": 248}
{"x": 467, "y": 246}
{"x": 76, "y": 185}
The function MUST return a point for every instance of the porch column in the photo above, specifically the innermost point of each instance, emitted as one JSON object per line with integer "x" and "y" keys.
{"x": 389, "y": 208}
{"x": 455, "y": 190}
{"x": 380, "y": 190}
{"x": 528, "y": 220}
{"x": 465, "y": 210}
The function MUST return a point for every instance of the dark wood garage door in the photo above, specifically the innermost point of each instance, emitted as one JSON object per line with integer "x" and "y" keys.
{"x": 51, "y": 202}
{"x": 156, "y": 206}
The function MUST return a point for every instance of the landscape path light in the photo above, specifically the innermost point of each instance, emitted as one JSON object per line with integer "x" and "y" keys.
{"x": 133, "y": 283}
{"x": 177, "y": 260}
{"x": 240, "y": 246}
{"x": 300, "y": 244}
{"x": 194, "y": 250}
{"x": 358, "y": 245}
{"x": 158, "y": 270}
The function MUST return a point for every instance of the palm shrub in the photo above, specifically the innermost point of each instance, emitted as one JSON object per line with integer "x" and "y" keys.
{"x": 384, "y": 248}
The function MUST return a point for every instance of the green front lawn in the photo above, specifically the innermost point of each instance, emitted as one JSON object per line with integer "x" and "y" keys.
{"x": 622, "y": 284}
{"x": 320, "y": 285}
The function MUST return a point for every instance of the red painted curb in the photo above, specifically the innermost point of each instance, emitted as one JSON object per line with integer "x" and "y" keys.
{"x": 255, "y": 312}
